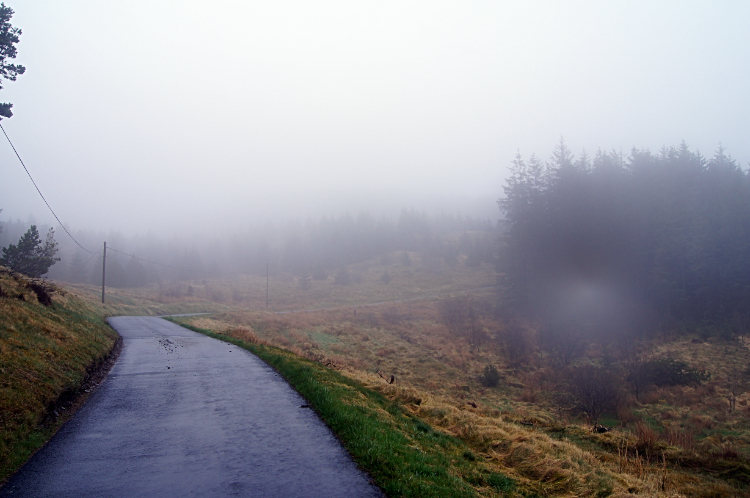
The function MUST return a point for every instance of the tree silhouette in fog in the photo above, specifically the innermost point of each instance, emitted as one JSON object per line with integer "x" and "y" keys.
{"x": 9, "y": 36}
{"x": 30, "y": 255}
{"x": 612, "y": 237}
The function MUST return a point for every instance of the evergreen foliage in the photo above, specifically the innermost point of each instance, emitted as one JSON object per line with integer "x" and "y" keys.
{"x": 671, "y": 372}
{"x": 490, "y": 377}
{"x": 31, "y": 256}
{"x": 9, "y": 36}
{"x": 615, "y": 238}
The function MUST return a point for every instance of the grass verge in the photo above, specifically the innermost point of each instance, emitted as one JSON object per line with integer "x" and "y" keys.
{"x": 50, "y": 342}
{"x": 404, "y": 455}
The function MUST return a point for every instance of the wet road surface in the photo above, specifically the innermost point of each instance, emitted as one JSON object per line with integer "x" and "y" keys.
{"x": 182, "y": 414}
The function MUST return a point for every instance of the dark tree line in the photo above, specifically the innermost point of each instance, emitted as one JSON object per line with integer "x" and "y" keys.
{"x": 313, "y": 249}
{"x": 625, "y": 239}
{"x": 322, "y": 247}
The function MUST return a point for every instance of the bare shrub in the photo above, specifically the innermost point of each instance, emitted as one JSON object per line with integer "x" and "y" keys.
{"x": 647, "y": 439}
{"x": 454, "y": 314}
{"x": 462, "y": 318}
{"x": 562, "y": 343}
{"x": 517, "y": 344}
{"x": 594, "y": 390}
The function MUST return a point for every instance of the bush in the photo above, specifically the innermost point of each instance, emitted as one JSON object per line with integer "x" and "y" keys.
{"x": 660, "y": 372}
{"x": 647, "y": 439}
{"x": 594, "y": 390}
{"x": 517, "y": 344}
{"x": 490, "y": 377}
{"x": 671, "y": 372}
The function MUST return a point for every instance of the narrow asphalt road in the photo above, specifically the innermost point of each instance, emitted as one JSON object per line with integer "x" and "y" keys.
{"x": 182, "y": 414}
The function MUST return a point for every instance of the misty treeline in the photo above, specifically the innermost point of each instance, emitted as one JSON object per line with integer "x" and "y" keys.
{"x": 599, "y": 259}
{"x": 622, "y": 245}
{"x": 314, "y": 248}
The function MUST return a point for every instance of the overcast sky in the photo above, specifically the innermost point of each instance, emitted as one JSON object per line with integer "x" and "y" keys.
{"x": 159, "y": 114}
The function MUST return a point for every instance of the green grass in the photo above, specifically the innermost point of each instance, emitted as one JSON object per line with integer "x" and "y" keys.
{"x": 45, "y": 355}
{"x": 404, "y": 455}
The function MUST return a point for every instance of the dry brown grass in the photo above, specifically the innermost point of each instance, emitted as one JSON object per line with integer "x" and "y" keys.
{"x": 436, "y": 379}
{"x": 675, "y": 436}
{"x": 421, "y": 278}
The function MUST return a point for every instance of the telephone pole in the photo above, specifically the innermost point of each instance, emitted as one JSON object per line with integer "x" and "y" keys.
{"x": 104, "y": 269}
{"x": 266, "y": 285}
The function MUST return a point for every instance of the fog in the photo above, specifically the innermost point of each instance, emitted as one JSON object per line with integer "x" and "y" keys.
{"x": 163, "y": 116}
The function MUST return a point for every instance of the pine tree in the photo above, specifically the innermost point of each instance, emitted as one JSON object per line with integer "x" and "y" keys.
{"x": 9, "y": 36}
{"x": 31, "y": 256}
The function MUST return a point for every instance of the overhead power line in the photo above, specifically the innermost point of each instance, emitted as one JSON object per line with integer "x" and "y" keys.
{"x": 70, "y": 235}
{"x": 85, "y": 265}
{"x": 40, "y": 193}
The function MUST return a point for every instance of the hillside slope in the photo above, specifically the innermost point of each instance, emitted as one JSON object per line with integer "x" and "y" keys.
{"x": 50, "y": 340}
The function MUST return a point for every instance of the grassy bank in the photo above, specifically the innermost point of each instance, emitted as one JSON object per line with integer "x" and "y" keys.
{"x": 51, "y": 338}
{"x": 404, "y": 455}
{"x": 49, "y": 341}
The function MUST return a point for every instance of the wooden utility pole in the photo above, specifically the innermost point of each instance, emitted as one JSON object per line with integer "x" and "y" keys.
{"x": 266, "y": 285}
{"x": 104, "y": 269}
